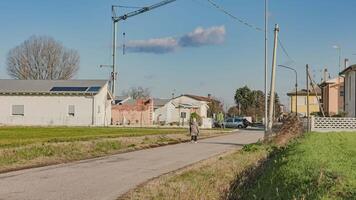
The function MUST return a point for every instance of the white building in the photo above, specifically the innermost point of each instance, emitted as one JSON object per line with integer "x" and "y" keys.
{"x": 350, "y": 90}
{"x": 55, "y": 102}
{"x": 179, "y": 109}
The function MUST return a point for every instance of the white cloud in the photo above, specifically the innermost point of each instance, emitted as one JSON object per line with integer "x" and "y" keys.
{"x": 160, "y": 45}
{"x": 199, "y": 37}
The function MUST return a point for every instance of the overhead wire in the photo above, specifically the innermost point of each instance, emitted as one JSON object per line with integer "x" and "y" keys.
{"x": 244, "y": 22}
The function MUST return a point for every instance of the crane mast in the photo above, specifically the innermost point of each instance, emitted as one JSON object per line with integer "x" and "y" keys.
{"x": 115, "y": 20}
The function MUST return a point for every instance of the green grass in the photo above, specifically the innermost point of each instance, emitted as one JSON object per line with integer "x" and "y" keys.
{"x": 19, "y": 136}
{"x": 24, "y": 147}
{"x": 317, "y": 166}
{"x": 209, "y": 179}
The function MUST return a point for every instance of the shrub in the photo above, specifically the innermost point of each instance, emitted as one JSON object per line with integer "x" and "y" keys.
{"x": 197, "y": 117}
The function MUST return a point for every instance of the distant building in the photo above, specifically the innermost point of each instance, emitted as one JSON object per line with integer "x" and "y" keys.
{"x": 178, "y": 110}
{"x": 301, "y": 98}
{"x": 349, "y": 75}
{"x": 55, "y": 102}
{"x": 332, "y": 96}
{"x": 133, "y": 112}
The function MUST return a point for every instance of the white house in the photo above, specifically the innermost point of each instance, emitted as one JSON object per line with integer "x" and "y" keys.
{"x": 179, "y": 109}
{"x": 349, "y": 75}
{"x": 55, "y": 102}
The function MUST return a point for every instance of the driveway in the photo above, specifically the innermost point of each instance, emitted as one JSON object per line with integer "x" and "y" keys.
{"x": 109, "y": 177}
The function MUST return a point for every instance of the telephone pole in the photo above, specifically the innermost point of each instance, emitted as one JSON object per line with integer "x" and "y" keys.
{"x": 273, "y": 78}
{"x": 266, "y": 67}
{"x": 308, "y": 120}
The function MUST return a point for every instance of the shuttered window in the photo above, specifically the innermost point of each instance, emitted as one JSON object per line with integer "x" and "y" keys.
{"x": 71, "y": 110}
{"x": 18, "y": 110}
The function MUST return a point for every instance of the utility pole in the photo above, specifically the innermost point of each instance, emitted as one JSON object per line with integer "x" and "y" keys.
{"x": 308, "y": 119}
{"x": 115, "y": 20}
{"x": 266, "y": 67}
{"x": 273, "y": 78}
{"x": 114, "y": 37}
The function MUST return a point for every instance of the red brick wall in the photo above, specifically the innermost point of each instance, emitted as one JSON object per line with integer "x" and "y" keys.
{"x": 140, "y": 113}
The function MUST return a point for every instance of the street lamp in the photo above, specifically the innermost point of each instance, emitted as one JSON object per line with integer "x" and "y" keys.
{"x": 296, "y": 86}
{"x": 339, "y": 51}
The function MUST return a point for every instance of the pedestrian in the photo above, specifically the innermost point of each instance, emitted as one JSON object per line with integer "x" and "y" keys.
{"x": 194, "y": 130}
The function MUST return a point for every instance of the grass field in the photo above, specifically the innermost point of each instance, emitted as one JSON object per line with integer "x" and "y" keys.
{"x": 316, "y": 166}
{"x": 18, "y": 136}
{"x": 319, "y": 166}
{"x": 23, "y": 147}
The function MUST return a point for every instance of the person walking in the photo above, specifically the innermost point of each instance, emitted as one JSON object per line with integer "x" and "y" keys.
{"x": 194, "y": 130}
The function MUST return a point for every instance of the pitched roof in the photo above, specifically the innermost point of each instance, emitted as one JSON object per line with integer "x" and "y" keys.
{"x": 303, "y": 92}
{"x": 12, "y": 86}
{"x": 350, "y": 68}
{"x": 160, "y": 102}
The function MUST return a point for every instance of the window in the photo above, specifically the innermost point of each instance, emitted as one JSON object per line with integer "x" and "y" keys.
{"x": 71, "y": 110}
{"x": 183, "y": 115}
{"x": 18, "y": 110}
{"x": 230, "y": 120}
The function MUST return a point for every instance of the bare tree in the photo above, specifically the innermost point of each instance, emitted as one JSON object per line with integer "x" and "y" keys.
{"x": 137, "y": 92}
{"x": 42, "y": 57}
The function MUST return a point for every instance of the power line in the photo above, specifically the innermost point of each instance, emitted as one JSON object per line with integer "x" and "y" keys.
{"x": 285, "y": 50}
{"x": 221, "y": 9}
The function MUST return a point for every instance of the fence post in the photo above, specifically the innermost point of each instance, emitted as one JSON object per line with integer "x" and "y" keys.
{"x": 312, "y": 121}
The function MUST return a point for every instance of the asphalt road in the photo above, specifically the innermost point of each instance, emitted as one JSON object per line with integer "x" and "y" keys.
{"x": 109, "y": 177}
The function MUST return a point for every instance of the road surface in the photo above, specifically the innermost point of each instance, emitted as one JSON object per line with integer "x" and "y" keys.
{"x": 109, "y": 177}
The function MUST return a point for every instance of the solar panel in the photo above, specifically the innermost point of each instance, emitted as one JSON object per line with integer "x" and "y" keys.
{"x": 94, "y": 89}
{"x": 69, "y": 89}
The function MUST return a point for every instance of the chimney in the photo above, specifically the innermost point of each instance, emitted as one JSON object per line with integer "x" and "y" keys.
{"x": 209, "y": 96}
{"x": 346, "y": 63}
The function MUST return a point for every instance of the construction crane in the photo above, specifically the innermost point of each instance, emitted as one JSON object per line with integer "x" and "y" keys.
{"x": 115, "y": 20}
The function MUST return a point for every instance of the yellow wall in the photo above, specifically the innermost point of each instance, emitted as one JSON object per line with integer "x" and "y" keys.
{"x": 302, "y": 106}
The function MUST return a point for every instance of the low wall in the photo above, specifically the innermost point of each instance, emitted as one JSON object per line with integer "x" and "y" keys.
{"x": 328, "y": 124}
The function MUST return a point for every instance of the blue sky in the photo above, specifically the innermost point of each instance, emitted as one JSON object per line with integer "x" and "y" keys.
{"x": 309, "y": 29}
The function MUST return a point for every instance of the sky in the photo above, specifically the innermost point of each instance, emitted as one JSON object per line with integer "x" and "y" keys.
{"x": 188, "y": 46}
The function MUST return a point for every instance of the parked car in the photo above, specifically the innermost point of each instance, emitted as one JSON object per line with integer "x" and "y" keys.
{"x": 236, "y": 123}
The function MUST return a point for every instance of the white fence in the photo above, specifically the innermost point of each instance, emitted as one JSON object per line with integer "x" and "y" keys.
{"x": 325, "y": 124}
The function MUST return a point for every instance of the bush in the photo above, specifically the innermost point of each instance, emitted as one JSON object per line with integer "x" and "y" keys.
{"x": 197, "y": 117}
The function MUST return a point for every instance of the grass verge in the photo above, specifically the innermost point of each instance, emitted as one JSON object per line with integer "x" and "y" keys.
{"x": 209, "y": 179}
{"x": 25, "y": 147}
{"x": 315, "y": 166}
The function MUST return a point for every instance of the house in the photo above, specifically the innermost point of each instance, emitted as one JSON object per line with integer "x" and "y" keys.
{"x": 161, "y": 108}
{"x": 133, "y": 112}
{"x": 332, "y": 96}
{"x": 349, "y": 75}
{"x": 121, "y": 99}
{"x": 55, "y": 102}
{"x": 178, "y": 110}
{"x": 301, "y": 98}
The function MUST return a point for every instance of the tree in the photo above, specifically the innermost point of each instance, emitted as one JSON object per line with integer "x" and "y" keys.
{"x": 215, "y": 107}
{"x": 137, "y": 93}
{"x": 42, "y": 57}
{"x": 251, "y": 103}
{"x": 233, "y": 111}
